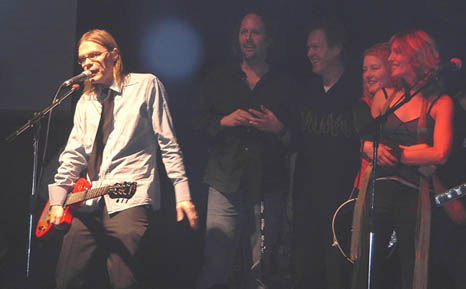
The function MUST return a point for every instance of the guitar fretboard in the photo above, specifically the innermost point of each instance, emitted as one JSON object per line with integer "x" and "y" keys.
{"x": 451, "y": 194}
{"x": 86, "y": 195}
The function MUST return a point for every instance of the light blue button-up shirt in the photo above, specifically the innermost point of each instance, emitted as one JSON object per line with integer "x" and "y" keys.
{"x": 142, "y": 125}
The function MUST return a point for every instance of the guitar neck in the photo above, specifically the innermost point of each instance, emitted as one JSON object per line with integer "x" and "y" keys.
{"x": 86, "y": 195}
{"x": 451, "y": 194}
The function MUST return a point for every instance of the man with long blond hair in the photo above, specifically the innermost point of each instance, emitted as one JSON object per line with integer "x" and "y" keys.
{"x": 121, "y": 120}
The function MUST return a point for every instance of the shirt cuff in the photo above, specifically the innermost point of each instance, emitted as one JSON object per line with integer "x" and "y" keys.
{"x": 57, "y": 194}
{"x": 182, "y": 192}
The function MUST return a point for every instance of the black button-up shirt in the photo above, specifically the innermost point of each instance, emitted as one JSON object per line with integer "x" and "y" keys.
{"x": 243, "y": 157}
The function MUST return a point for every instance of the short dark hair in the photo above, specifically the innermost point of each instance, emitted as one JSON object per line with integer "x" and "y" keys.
{"x": 335, "y": 32}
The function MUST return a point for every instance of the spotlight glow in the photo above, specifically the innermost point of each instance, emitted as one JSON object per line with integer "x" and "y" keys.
{"x": 171, "y": 48}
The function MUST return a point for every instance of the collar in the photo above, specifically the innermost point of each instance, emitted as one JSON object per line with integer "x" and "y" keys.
{"x": 238, "y": 71}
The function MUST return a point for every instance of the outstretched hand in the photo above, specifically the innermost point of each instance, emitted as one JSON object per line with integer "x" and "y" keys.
{"x": 265, "y": 120}
{"x": 187, "y": 208}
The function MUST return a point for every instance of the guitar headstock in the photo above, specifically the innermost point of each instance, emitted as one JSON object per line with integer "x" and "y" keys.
{"x": 122, "y": 190}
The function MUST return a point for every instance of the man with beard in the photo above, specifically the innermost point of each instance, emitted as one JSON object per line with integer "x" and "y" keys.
{"x": 244, "y": 111}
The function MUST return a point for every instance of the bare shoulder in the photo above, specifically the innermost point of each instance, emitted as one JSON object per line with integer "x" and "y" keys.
{"x": 443, "y": 101}
{"x": 380, "y": 99}
{"x": 389, "y": 90}
{"x": 443, "y": 105}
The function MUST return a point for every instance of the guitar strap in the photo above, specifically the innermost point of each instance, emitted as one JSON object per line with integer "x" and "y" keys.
{"x": 422, "y": 237}
{"x": 428, "y": 178}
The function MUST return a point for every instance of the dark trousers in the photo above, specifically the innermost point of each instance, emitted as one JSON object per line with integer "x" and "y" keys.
{"x": 95, "y": 236}
{"x": 233, "y": 224}
{"x": 395, "y": 209}
{"x": 318, "y": 264}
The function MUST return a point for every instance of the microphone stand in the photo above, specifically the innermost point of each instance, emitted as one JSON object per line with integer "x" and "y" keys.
{"x": 376, "y": 126}
{"x": 34, "y": 122}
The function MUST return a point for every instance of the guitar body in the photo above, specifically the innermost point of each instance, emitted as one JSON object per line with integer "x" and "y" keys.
{"x": 81, "y": 192}
{"x": 45, "y": 228}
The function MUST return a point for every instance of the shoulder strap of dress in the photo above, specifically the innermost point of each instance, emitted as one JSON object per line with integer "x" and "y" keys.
{"x": 388, "y": 99}
{"x": 385, "y": 92}
{"x": 432, "y": 104}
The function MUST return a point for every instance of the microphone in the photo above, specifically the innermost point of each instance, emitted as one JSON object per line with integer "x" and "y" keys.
{"x": 86, "y": 74}
{"x": 453, "y": 64}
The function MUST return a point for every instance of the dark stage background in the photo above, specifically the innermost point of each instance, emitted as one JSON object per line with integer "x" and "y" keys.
{"x": 178, "y": 40}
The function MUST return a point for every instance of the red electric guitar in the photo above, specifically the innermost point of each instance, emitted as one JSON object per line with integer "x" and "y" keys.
{"x": 81, "y": 192}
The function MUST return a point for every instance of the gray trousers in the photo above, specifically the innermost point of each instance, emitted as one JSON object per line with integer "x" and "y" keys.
{"x": 232, "y": 231}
